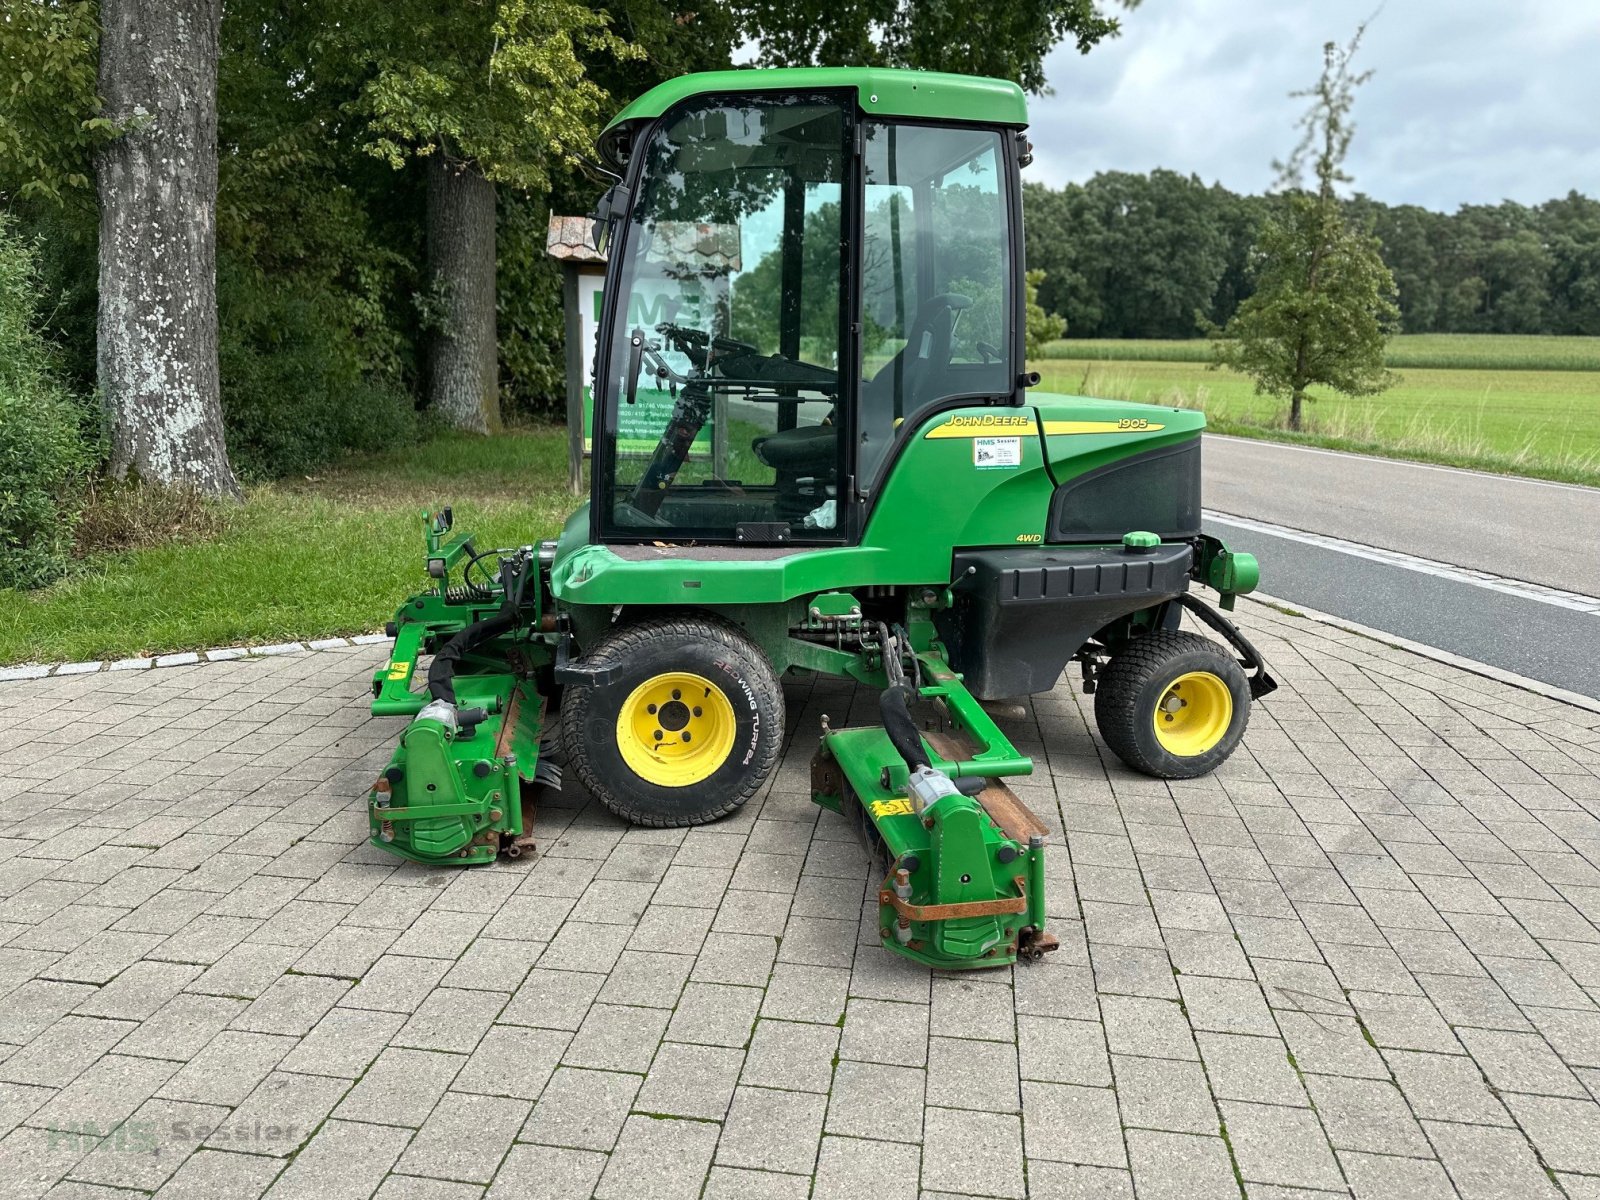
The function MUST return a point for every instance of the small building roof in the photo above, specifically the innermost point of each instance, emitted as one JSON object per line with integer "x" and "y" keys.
{"x": 712, "y": 248}
{"x": 571, "y": 239}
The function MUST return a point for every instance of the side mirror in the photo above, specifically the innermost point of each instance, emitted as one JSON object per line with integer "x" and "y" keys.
{"x": 612, "y": 204}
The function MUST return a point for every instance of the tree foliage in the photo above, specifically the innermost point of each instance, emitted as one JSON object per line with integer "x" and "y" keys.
{"x": 1007, "y": 39}
{"x": 1324, "y": 303}
{"x": 502, "y": 85}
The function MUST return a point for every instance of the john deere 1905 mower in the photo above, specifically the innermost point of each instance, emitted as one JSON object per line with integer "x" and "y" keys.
{"x": 817, "y": 449}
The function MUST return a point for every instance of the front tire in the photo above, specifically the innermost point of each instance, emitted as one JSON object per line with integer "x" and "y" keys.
{"x": 686, "y": 730}
{"x": 1172, "y": 704}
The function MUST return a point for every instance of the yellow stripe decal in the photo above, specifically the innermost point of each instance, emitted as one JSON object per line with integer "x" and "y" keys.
{"x": 1124, "y": 425}
{"x": 1006, "y": 426}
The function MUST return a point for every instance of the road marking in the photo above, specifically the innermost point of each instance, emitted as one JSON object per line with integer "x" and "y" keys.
{"x": 1499, "y": 674}
{"x": 1399, "y": 462}
{"x": 1425, "y": 566}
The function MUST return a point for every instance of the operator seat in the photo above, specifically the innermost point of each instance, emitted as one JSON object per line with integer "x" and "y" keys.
{"x": 904, "y": 384}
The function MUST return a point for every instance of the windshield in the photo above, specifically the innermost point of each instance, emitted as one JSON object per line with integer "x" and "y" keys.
{"x": 723, "y": 372}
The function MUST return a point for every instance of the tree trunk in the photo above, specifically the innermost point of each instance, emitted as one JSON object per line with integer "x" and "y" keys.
{"x": 157, "y": 328}
{"x": 464, "y": 366}
{"x": 1296, "y": 399}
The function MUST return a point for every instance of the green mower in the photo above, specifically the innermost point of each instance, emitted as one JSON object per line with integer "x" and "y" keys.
{"x": 817, "y": 448}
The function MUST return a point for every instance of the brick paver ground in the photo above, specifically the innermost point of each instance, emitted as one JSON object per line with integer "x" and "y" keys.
{"x": 1363, "y": 958}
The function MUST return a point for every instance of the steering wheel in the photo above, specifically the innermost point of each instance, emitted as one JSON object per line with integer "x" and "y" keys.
{"x": 697, "y": 344}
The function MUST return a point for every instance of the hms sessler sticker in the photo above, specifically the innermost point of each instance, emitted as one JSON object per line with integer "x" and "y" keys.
{"x": 989, "y": 453}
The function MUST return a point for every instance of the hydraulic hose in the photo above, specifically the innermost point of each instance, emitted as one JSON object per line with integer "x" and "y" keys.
{"x": 895, "y": 712}
{"x": 442, "y": 671}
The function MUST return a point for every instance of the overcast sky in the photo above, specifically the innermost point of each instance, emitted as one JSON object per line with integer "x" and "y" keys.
{"x": 1473, "y": 101}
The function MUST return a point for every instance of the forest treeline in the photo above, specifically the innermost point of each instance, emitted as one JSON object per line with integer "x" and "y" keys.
{"x": 1161, "y": 255}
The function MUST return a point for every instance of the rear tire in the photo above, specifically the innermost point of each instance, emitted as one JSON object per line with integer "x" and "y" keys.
{"x": 1172, "y": 704}
{"x": 687, "y": 729}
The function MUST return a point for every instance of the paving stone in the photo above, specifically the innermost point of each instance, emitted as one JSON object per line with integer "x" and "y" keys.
{"x": 346, "y": 1160}
{"x": 146, "y": 1150}
{"x": 464, "y": 1137}
{"x": 1486, "y": 1162}
{"x": 771, "y": 1130}
{"x": 962, "y": 1148}
{"x": 1520, "y": 1062}
{"x": 1072, "y": 1124}
{"x": 804, "y": 993}
{"x": 648, "y": 978}
{"x": 229, "y": 1068}
{"x": 739, "y": 1183}
{"x": 1404, "y": 1022}
{"x": 873, "y": 1100}
{"x": 344, "y": 1042}
{"x": 104, "y": 1095}
{"x": 798, "y": 1056}
{"x": 888, "y": 1031}
{"x": 397, "y": 984}
{"x": 512, "y": 1061}
{"x": 553, "y": 999}
{"x": 401, "y": 1088}
{"x": 1250, "y": 1068}
{"x": 451, "y": 1019}
{"x": 659, "y": 1160}
{"x": 965, "y": 1007}
{"x": 1330, "y": 1045}
{"x": 855, "y": 1169}
{"x": 63, "y": 1051}
{"x": 1445, "y": 1087}
{"x": 714, "y": 1014}
{"x": 293, "y": 1005}
{"x": 1158, "y": 1093}
{"x": 966, "y": 1073}
{"x": 1279, "y": 1146}
{"x": 547, "y": 1173}
{"x": 209, "y": 1174}
{"x": 1226, "y": 1005}
{"x": 1180, "y": 1166}
{"x": 1566, "y": 1133}
{"x": 1139, "y": 1025}
{"x": 618, "y": 1038}
{"x": 1376, "y": 1176}
{"x": 1366, "y": 1114}
{"x": 581, "y": 1109}
{"x": 1062, "y": 1051}
{"x": 698, "y": 1081}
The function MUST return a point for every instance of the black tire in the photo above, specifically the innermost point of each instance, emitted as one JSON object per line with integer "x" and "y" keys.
{"x": 717, "y": 653}
{"x": 1135, "y": 682}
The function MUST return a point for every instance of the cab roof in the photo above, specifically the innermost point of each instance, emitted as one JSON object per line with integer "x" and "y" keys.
{"x": 929, "y": 95}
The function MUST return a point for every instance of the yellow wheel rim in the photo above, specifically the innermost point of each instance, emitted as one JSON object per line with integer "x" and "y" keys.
{"x": 1193, "y": 714}
{"x": 675, "y": 729}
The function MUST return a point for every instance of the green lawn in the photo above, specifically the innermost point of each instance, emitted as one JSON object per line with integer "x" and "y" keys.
{"x": 311, "y": 558}
{"x": 1516, "y": 352}
{"x": 1543, "y": 422}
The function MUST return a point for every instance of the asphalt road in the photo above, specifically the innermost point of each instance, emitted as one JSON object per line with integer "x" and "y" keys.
{"x": 1546, "y": 533}
{"x": 1518, "y": 529}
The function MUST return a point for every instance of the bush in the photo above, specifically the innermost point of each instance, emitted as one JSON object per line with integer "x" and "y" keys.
{"x": 43, "y": 458}
{"x": 295, "y": 395}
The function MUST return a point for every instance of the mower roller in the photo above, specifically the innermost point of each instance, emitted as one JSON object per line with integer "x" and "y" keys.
{"x": 817, "y": 450}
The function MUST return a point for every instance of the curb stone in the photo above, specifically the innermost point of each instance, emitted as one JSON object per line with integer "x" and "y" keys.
{"x": 186, "y": 658}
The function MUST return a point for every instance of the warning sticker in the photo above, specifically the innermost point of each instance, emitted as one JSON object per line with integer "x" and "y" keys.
{"x": 991, "y": 452}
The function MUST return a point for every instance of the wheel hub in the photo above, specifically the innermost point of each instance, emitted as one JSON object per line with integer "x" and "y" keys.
{"x": 1193, "y": 714}
{"x": 675, "y": 729}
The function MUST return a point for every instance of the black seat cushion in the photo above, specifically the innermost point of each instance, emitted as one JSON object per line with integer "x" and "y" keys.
{"x": 809, "y": 448}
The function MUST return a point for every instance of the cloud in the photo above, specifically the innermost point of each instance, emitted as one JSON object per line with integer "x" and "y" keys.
{"x": 1473, "y": 101}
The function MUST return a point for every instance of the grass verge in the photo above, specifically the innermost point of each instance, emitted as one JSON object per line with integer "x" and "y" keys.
{"x": 1540, "y": 423}
{"x": 319, "y": 557}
